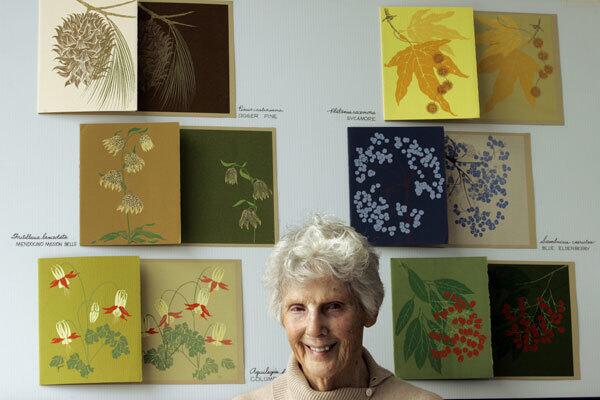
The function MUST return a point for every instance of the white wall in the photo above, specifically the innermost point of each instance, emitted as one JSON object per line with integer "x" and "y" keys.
{"x": 304, "y": 56}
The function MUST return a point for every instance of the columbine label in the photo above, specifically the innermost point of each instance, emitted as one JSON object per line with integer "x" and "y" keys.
{"x": 266, "y": 374}
{"x": 353, "y": 115}
{"x": 551, "y": 242}
{"x": 39, "y": 240}
{"x": 258, "y": 112}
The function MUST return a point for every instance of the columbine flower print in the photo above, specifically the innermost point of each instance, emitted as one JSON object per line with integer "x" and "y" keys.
{"x": 231, "y": 176}
{"x": 61, "y": 280}
{"x": 131, "y": 204}
{"x": 94, "y": 312}
{"x": 200, "y": 306}
{"x": 133, "y": 163}
{"x": 112, "y": 180}
{"x": 149, "y": 328}
{"x": 65, "y": 336}
{"x": 217, "y": 335}
{"x": 116, "y": 179}
{"x": 261, "y": 190}
{"x": 118, "y": 309}
{"x": 249, "y": 219}
{"x": 216, "y": 280}
{"x": 146, "y": 142}
{"x": 114, "y": 144}
{"x": 166, "y": 317}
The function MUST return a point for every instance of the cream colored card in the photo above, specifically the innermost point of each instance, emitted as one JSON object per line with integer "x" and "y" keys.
{"x": 193, "y": 328}
{"x": 87, "y": 56}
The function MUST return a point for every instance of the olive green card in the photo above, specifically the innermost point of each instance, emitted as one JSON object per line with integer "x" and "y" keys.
{"x": 441, "y": 315}
{"x": 193, "y": 328}
{"x": 228, "y": 186}
{"x": 89, "y": 320}
{"x": 129, "y": 184}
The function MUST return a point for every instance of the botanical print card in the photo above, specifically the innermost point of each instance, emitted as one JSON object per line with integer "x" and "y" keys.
{"x": 87, "y": 55}
{"x": 490, "y": 190}
{"x": 519, "y": 68}
{"x": 228, "y": 186}
{"x": 441, "y": 315}
{"x": 89, "y": 320}
{"x": 397, "y": 185}
{"x": 129, "y": 184}
{"x": 186, "y": 57}
{"x": 193, "y": 327}
{"x": 534, "y": 320}
{"x": 429, "y": 67}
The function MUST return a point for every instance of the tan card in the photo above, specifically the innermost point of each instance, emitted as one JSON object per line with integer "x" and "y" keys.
{"x": 129, "y": 184}
{"x": 193, "y": 328}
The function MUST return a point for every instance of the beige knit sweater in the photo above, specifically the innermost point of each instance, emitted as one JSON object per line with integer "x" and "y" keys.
{"x": 292, "y": 385}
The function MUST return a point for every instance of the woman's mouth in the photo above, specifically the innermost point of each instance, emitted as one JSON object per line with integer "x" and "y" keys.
{"x": 320, "y": 349}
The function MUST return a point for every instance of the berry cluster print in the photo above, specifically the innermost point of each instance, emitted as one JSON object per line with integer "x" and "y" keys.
{"x": 477, "y": 181}
{"x": 397, "y": 185}
{"x": 536, "y": 324}
{"x": 440, "y": 323}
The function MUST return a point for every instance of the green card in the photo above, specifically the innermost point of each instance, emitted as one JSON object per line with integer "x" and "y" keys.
{"x": 534, "y": 319}
{"x": 228, "y": 186}
{"x": 89, "y": 320}
{"x": 193, "y": 329}
{"x": 441, "y": 318}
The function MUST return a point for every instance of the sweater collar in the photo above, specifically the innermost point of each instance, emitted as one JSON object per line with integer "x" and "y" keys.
{"x": 295, "y": 385}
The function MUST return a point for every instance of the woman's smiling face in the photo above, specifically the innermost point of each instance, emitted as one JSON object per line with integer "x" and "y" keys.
{"x": 324, "y": 324}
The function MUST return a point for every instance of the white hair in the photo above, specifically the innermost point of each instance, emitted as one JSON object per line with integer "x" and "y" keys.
{"x": 324, "y": 247}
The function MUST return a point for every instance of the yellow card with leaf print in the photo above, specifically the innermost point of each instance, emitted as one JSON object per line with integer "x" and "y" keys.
{"x": 89, "y": 320}
{"x": 429, "y": 65}
{"x": 193, "y": 329}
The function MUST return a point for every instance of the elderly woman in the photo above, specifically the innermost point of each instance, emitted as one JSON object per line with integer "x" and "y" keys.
{"x": 325, "y": 289}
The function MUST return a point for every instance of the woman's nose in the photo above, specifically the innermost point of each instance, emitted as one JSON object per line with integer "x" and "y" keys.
{"x": 316, "y": 324}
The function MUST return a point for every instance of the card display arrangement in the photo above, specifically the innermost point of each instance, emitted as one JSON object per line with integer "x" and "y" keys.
{"x": 465, "y": 318}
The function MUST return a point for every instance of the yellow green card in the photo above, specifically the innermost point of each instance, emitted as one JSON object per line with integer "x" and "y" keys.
{"x": 429, "y": 65}
{"x": 193, "y": 328}
{"x": 89, "y": 320}
{"x": 519, "y": 68}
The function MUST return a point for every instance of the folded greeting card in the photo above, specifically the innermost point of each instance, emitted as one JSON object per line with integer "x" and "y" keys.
{"x": 87, "y": 56}
{"x": 129, "y": 184}
{"x": 397, "y": 185}
{"x": 534, "y": 320}
{"x": 429, "y": 66}
{"x": 490, "y": 190}
{"x": 186, "y": 57}
{"x": 89, "y": 320}
{"x": 519, "y": 68}
{"x": 228, "y": 186}
{"x": 193, "y": 328}
{"x": 441, "y": 315}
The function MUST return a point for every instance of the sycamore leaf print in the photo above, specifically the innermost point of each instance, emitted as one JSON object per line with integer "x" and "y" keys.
{"x": 423, "y": 28}
{"x": 424, "y": 60}
{"x": 514, "y": 66}
{"x": 502, "y": 36}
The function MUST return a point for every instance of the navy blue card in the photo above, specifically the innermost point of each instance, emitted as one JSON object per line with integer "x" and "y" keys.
{"x": 397, "y": 185}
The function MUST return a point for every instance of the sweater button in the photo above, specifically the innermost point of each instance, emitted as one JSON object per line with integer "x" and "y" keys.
{"x": 369, "y": 392}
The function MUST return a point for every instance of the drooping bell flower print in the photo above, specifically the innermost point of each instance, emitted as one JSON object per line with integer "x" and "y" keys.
{"x": 200, "y": 306}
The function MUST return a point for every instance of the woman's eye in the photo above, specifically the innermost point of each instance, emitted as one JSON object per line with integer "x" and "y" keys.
{"x": 333, "y": 306}
{"x": 296, "y": 308}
